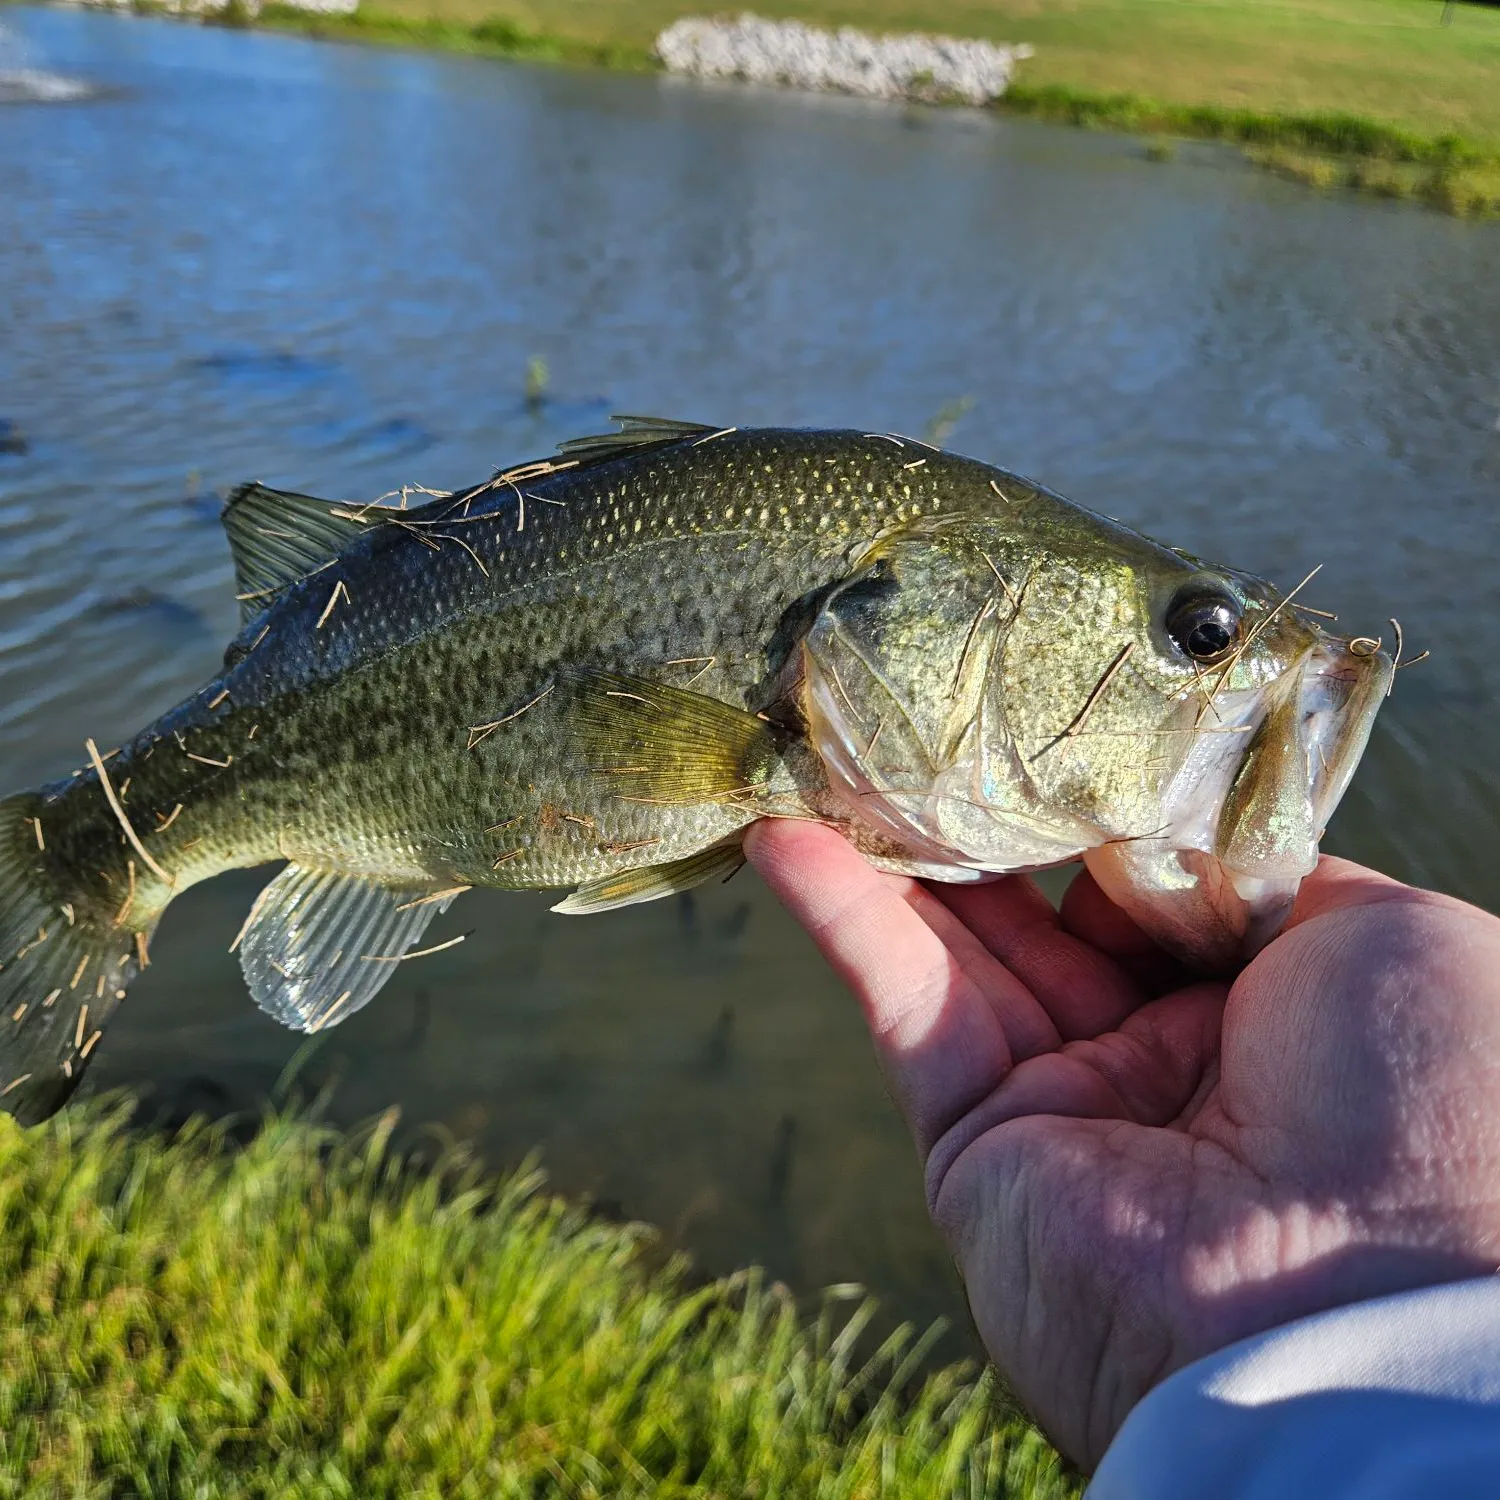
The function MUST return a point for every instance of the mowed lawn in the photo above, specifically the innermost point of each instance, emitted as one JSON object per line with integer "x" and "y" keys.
{"x": 1389, "y": 60}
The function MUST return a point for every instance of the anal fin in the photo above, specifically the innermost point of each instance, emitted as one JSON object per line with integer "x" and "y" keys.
{"x": 317, "y": 946}
{"x": 652, "y": 882}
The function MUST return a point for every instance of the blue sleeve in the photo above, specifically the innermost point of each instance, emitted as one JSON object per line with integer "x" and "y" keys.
{"x": 1384, "y": 1400}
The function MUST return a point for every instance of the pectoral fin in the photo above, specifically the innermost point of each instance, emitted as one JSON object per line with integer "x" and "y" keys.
{"x": 318, "y": 946}
{"x": 649, "y": 742}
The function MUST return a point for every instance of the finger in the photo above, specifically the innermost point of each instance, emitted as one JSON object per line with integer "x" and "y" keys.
{"x": 1155, "y": 1062}
{"x": 1146, "y": 1073}
{"x": 792, "y": 861}
{"x": 1084, "y": 991}
{"x": 941, "y": 1038}
{"x": 1340, "y": 883}
{"x": 1027, "y": 1027}
{"x": 1093, "y": 918}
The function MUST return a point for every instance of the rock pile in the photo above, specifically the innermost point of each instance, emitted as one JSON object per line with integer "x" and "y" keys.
{"x": 846, "y": 61}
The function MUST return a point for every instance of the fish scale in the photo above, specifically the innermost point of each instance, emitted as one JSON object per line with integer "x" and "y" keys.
{"x": 594, "y": 671}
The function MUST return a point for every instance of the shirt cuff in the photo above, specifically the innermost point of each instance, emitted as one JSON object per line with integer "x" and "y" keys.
{"x": 1390, "y": 1398}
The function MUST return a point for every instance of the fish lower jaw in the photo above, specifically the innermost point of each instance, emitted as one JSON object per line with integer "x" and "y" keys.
{"x": 1212, "y": 917}
{"x": 1268, "y": 903}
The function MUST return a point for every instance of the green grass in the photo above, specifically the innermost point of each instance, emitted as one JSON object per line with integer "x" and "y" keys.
{"x": 486, "y": 36}
{"x": 307, "y": 1315}
{"x": 1469, "y": 190}
{"x": 1389, "y": 61}
{"x": 1299, "y": 83}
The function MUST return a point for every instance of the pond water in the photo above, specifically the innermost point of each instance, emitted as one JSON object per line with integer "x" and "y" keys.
{"x": 326, "y": 267}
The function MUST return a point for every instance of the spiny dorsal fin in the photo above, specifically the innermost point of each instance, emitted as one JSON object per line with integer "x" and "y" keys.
{"x": 649, "y": 742}
{"x": 278, "y": 537}
{"x": 635, "y": 433}
{"x": 317, "y": 947}
{"x": 652, "y": 882}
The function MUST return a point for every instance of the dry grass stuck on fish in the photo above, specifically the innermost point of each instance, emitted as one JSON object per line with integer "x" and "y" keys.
{"x": 308, "y": 1315}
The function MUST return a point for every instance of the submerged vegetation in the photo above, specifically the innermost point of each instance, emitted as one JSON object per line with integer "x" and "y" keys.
{"x": 309, "y": 1314}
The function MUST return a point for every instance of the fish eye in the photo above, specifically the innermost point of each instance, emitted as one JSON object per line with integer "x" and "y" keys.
{"x": 1204, "y": 623}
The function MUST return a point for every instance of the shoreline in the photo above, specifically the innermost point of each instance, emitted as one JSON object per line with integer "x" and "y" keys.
{"x": 1325, "y": 150}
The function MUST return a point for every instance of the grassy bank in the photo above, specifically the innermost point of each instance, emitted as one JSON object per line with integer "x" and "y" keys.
{"x": 496, "y": 36}
{"x": 304, "y": 1316}
{"x": 1312, "y": 88}
{"x": 1468, "y": 190}
{"x": 1324, "y": 150}
{"x": 1391, "y": 61}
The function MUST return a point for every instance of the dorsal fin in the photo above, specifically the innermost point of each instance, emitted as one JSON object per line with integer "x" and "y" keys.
{"x": 278, "y": 537}
{"x": 634, "y": 433}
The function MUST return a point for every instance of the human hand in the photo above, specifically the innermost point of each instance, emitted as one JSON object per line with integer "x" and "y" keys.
{"x": 1133, "y": 1169}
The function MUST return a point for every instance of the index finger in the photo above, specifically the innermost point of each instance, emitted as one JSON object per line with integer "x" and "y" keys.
{"x": 942, "y": 1040}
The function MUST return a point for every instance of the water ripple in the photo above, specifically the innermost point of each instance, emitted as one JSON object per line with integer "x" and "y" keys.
{"x": 329, "y": 268}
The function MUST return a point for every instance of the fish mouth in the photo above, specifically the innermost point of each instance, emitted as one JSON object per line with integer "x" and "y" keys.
{"x": 1246, "y": 814}
{"x": 1342, "y": 691}
{"x": 1237, "y": 829}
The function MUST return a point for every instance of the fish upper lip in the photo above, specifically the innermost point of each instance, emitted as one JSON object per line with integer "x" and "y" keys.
{"x": 1363, "y": 682}
{"x": 1338, "y": 693}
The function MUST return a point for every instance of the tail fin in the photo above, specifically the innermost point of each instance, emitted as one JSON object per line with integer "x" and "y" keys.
{"x": 63, "y": 970}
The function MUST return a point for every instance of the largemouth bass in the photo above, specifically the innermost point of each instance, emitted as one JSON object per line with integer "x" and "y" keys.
{"x": 594, "y": 671}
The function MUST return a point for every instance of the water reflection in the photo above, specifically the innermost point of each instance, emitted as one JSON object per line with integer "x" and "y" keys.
{"x": 330, "y": 268}
{"x": 23, "y": 82}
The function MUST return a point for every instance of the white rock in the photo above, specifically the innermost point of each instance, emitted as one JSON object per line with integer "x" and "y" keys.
{"x": 847, "y": 61}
